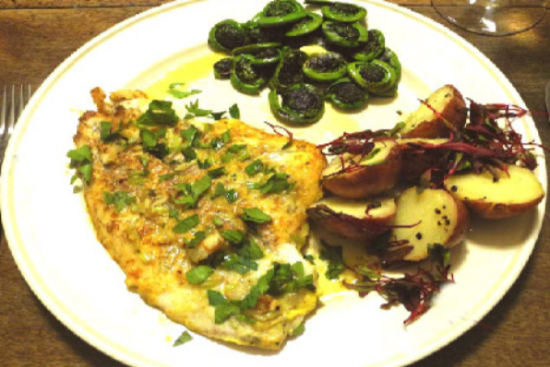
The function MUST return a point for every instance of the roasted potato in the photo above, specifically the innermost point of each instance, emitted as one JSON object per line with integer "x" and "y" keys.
{"x": 425, "y": 123}
{"x": 356, "y": 177}
{"x": 427, "y": 217}
{"x": 414, "y": 161}
{"x": 514, "y": 193}
{"x": 351, "y": 220}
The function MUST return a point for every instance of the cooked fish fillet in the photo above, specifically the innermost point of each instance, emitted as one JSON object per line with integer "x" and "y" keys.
{"x": 206, "y": 220}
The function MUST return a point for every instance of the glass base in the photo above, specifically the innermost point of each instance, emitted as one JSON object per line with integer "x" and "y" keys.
{"x": 492, "y": 17}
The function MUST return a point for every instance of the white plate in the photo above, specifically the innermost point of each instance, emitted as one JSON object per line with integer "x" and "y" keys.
{"x": 53, "y": 243}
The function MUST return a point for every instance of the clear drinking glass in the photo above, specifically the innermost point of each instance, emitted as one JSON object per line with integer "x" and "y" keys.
{"x": 492, "y": 17}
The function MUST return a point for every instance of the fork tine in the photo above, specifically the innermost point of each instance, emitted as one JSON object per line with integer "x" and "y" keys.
{"x": 11, "y": 119}
{"x": 3, "y": 114}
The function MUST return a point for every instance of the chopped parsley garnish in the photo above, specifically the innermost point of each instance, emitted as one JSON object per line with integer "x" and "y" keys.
{"x": 217, "y": 115}
{"x": 175, "y": 89}
{"x": 226, "y": 136}
{"x": 238, "y": 263}
{"x": 235, "y": 237}
{"x": 183, "y": 338}
{"x": 199, "y": 237}
{"x": 251, "y": 250}
{"x": 151, "y": 144}
{"x": 190, "y": 194}
{"x": 187, "y": 224}
{"x": 231, "y": 196}
{"x": 333, "y": 256}
{"x": 193, "y": 110}
{"x": 105, "y": 131}
{"x": 255, "y": 215}
{"x": 289, "y": 278}
{"x": 234, "y": 111}
{"x": 81, "y": 160}
{"x": 166, "y": 177}
{"x": 275, "y": 184}
{"x": 159, "y": 113}
{"x": 224, "y": 309}
{"x": 216, "y": 172}
{"x": 217, "y": 221}
{"x": 254, "y": 167}
{"x": 191, "y": 134}
{"x": 207, "y": 163}
{"x": 199, "y": 274}
{"x": 189, "y": 153}
{"x": 280, "y": 279}
{"x": 120, "y": 199}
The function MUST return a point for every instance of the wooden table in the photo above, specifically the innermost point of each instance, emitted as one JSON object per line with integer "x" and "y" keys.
{"x": 37, "y": 35}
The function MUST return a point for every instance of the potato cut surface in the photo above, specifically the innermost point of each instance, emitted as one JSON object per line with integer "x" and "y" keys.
{"x": 519, "y": 187}
{"x": 431, "y": 217}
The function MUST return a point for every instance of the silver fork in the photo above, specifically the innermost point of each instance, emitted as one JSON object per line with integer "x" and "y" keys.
{"x": 14, "y": 100}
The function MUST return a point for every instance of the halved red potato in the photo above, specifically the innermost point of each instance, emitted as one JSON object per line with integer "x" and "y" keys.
{"x": 425, "y": 123}
{"x": 514, "y": 193}
{"x": 432, "y": 216}
{"x": 415, "y": 161}
{"x": 339, "y": 218}
{"x": 356, "y": 177}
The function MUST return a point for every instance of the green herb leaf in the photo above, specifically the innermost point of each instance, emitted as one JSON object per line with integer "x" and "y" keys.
{"x": 199, "y": 237}
{"x": 219, "y": 190}
{"x": 80, "y": 155}
{"x": 231, "y": 196}
{"x": 207, "y": 163}
{"x": 226, "y": 136}
{"x": 333, "y": 255}
{"x": 299, "y": 330}
{"x": 81, "y": 160}
{"x": 189, "y": 153}
{"x": 217, "y": 221}
{"x": 234, "y": 111}
{"x": 255, "y": 215}
{"x": 201, "y": 186}
{"x": 187, "y": 224}
{"x": 199, "y": 274}
{"x": 105, "y": 131}
{"x": 166, "y": 177}
{"x": 223, "y": 308}
{"x": 251, "y": 250}
{"x": 275, "y": 184}
{"x": 216, "y": 172}
{"x": 159, "y": 113}
{"x": 235, "y": 262}
{"x": 175, "y": 89}
{"x": 254, "y": 168}
{"x": 119, "y": 199}
{"x": 217, "y": 115}
{"x": 235, "y": 237}
{"x": 183, "y": 338}
{"x": 195, "y": 111}
{"x": 190, "y": 134}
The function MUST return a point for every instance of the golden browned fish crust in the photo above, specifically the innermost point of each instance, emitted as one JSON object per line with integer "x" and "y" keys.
{"x": 141, "y": 198}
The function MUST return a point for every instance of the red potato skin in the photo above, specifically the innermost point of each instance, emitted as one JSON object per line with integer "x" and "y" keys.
{"x": 489, "y": 210}
{"x": 324, "y": 219}
{"x": 454, "y": 112}
{"x": 366, "y": 180}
